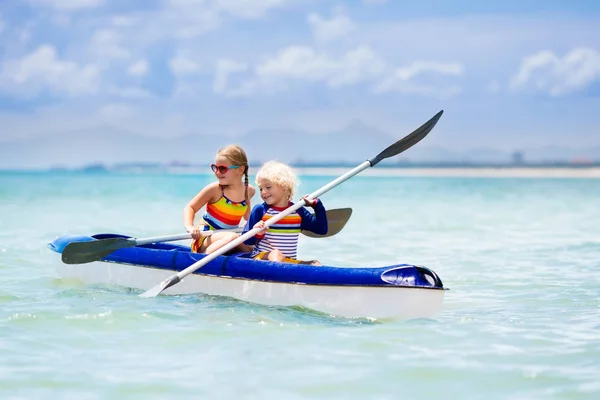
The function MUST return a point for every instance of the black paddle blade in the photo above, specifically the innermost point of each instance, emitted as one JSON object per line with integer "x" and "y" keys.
{"x": 336, "y": 220}
{"x": 408, "y": 141}
{"x": 85, "y": 252}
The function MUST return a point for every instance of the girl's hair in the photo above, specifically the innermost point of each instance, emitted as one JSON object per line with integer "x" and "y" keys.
{"x": 236, "y": 156}
{"x": 280, "y": 174}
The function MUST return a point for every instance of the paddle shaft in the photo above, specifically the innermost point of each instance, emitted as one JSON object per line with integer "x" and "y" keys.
{"x": 183, "y": 236}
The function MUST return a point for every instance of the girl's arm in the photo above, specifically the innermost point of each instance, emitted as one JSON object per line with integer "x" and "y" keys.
{"x": 209, "y": 194}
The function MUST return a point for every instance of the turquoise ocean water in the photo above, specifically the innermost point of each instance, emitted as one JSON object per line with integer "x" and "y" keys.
{"x": 521, "y": 257}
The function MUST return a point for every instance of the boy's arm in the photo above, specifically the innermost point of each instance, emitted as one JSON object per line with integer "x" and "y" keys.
{"x": 256, "y": 215}
{"x": 316, "y": 223}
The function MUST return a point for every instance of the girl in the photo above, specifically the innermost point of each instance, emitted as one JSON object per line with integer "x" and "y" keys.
{"x": 277, "y": 183}
{"x": 227, "y": 202}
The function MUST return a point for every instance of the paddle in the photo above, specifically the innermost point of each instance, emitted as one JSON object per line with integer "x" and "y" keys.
{"x": 336, "y": 220}
{"x": 396, "y": 148}
{"x": 85, "y": 252}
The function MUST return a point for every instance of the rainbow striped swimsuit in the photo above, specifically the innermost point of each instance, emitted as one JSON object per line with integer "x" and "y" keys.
{"x": 224, "y": 213}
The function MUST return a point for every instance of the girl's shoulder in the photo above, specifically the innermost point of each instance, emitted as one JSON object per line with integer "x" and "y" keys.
{"x": 213, "y": 187}
{"x": 208, "y": 194}
{"x": 214, "y": 191}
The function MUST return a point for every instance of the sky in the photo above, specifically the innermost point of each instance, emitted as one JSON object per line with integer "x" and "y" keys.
{"x": 508, "y": 74}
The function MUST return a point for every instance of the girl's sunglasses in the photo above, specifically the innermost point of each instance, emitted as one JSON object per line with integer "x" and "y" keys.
{"x": 222, "y": 168}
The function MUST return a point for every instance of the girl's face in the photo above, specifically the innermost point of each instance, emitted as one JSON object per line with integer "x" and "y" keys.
{"x": 231, "y": 173}
{"x": 272, "y": 194}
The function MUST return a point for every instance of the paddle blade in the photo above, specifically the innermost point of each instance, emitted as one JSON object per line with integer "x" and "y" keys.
{"x": 336, "y": 220}
{"x": 158, "y": 289}
{"x": 408, "y": 141}
{"x": 85, "y": 252}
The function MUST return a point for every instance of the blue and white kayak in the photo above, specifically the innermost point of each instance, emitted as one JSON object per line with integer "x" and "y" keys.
{"x": 401, "y": 291}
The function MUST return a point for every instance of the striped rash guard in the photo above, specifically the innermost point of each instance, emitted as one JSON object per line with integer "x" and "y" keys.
{"x": 283, "y": 235}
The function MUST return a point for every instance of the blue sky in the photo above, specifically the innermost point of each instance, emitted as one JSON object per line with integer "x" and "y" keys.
{"x": 508, "y": 74}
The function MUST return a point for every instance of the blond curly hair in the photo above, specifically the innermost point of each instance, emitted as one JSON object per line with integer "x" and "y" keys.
{"x": 279, "y": 174}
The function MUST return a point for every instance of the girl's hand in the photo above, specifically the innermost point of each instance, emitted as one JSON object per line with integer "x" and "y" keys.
{"x": 310, "y": 203}
{"x": 194, "y": 231}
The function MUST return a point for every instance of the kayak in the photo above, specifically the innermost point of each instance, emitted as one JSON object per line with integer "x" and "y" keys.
{"x": 399, "y": 292}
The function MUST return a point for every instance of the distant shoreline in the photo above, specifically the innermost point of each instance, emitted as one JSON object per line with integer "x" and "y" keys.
{"x": 467, "y": 171}
{"x": 458, "y": 171}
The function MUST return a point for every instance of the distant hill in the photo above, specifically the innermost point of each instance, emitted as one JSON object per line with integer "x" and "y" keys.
{"x": 116, "y": 146}
{"x": 352, "y": 144}
{"x": 100, "y": 145}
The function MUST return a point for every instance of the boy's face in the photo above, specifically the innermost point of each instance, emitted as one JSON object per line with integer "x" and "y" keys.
{"x": 271, "y": 193}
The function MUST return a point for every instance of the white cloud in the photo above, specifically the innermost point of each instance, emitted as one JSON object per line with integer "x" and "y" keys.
{"x": 422, "y": 67}
{"x": 304, "y": 63}
{"x": 44, "y": 70}
{"x": 545, "y": 71}
{"x": 183, "y": 66}
{"x": 226, "y": 68}
{"x": 183, "y": 19}
{"x": 138, "y": 69}
{"x": 406, "y": 79}
{"x": 187, "y": 19}
{"x": 106, "y": 45}
{"x": 248, "y": 8}
{"x": 326, "y": 30}
{"x": 297, "y": 64}
{"x": 187, "y": 72}
{"x": 68, "y": 4}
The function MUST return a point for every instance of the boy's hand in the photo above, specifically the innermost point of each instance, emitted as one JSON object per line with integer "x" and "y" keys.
{"x": 260, "y": 225}
{"x": 310, "y": 203}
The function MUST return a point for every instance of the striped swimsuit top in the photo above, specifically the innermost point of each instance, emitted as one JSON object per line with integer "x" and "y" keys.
{"x": 282, "y": 235}
{"x": 224, "y": 213}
